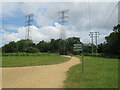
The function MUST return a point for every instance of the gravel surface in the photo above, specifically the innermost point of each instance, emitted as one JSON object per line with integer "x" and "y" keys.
{"x": 47, "y": 76}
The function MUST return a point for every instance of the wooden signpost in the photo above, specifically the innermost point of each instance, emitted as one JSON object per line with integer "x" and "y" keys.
{"x": 79, "y": 47}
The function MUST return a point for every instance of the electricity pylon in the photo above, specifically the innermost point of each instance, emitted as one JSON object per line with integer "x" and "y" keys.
{"x": 29, "y": 20}
{"x": 63, "y": 20}
{"x": 92, "y": 35}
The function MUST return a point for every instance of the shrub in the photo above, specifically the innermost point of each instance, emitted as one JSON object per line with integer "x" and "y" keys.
{"x": 31, "y": 50}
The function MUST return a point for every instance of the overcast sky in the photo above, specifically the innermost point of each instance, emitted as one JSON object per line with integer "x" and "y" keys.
{"x": 46, "y": 25}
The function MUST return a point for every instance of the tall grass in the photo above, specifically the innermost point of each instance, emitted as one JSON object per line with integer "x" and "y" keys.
{"x": 98, "y": 73}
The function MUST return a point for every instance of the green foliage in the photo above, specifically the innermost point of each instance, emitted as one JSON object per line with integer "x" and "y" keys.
{"x": 70, "y": 44}
{"x": 112, "y": 45}
{"x": 117, "y": 28}
{"x": 11, "y": 47}
{"x": 23, "y": 44}
{"x": 54, "y": 46}
{"x": 29, "y": 54}
{"x": 100, "y": 55}
{"x": 31, "y": 50}
{"x": 88, "y": 48}
{"x": 43, "y": 46}
{"x": 18, "y": 46}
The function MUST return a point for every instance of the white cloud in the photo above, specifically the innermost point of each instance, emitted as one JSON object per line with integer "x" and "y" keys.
{"x": 36, "y": 34}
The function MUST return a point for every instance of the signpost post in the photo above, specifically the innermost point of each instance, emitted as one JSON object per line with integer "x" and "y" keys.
{"x": 79, "y": 47}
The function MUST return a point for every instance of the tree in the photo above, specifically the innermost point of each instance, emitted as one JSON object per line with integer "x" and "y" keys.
{"x": 62, "y": 47}
{"x": 112, "y": 44}
{"x": 70, "y": 43}
{"x": 9, "y": 48}
{"x": 23, "y": 44}
{"x": 43, "y": 46}
{"x": 117, "y": 28}
{"x": 18, "y": 46}
{"x": 31, "y": 50}
{"x": 87, "y": 49}
{"x": 54, "y": 45}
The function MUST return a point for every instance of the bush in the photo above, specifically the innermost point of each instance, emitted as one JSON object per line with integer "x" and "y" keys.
{"x": 31, "y": 50}
{"x": 29, "y": 54}
{"x": 100, "y": 55}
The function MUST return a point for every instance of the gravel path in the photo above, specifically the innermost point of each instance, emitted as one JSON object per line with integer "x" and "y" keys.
{"x": 48, "y": 76}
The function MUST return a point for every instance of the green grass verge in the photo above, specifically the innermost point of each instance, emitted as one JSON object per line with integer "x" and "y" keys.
{"x": 98, "y": 73}
{"x": 19, "y": 61}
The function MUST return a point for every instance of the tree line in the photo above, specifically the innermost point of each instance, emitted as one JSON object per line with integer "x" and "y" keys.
{"x": 54, "y": 46}
{"x": 110, "y": 47}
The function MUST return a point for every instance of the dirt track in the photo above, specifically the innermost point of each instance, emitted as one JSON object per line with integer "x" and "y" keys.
{"x": 49, "y": 76}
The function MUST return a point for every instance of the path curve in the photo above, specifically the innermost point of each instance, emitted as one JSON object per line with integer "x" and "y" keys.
{"x": 47, "y": 76}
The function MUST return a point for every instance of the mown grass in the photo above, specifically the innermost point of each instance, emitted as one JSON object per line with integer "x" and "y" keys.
{"x": 19, "y": 61}
{"x": 98, "y": 73}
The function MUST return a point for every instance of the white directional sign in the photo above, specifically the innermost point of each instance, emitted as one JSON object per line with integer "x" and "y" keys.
{"x": 77, "y": 47}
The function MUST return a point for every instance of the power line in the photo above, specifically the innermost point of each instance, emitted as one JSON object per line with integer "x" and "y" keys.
{"x": 89, "y": 8}
{"x": 110, "y": 16}
{"x": 106, "y": 13}
{"x": 119, "y": 12}
{"x": 87, "y": 40}
{"x": 29, "y": 20}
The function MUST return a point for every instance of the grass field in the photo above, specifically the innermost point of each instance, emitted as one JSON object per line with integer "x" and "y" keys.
{"x": 98, "y": 73}
{"x": 18, "y": 61}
